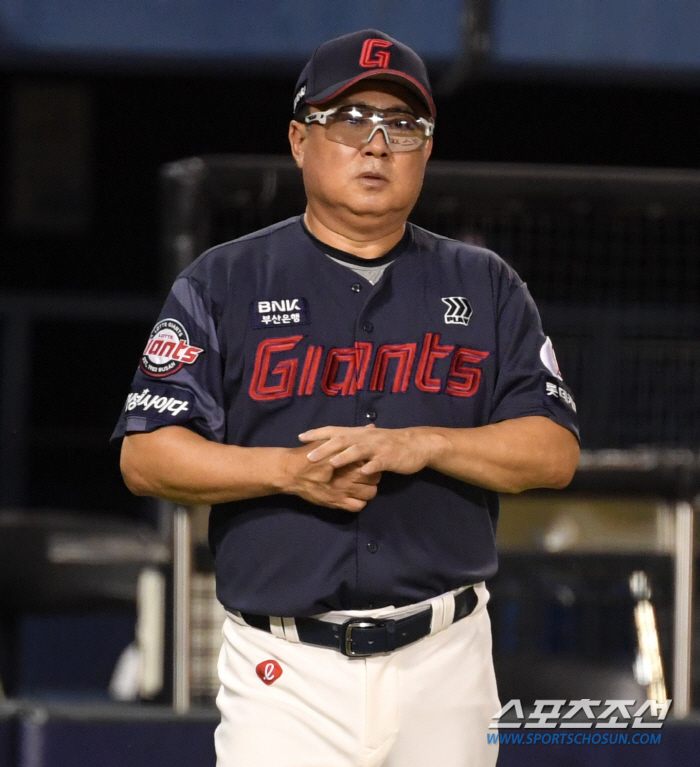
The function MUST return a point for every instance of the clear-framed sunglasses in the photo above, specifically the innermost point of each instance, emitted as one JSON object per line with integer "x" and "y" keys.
{"x": 356, "y": 125}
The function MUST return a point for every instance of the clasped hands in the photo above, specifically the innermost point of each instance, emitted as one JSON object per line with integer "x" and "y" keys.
{"x": 340, "y": 467}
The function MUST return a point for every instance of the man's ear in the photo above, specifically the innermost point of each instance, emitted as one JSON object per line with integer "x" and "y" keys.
{"x": 297, "y": 141}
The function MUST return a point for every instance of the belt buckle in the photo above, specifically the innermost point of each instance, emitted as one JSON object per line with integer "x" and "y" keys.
{"x": 346, "y": 643}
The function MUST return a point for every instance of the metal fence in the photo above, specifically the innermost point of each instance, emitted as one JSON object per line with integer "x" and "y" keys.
{"x": 612, "y": 258}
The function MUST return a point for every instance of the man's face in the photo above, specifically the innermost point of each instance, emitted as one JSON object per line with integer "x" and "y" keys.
{"x": 368, "y": 184}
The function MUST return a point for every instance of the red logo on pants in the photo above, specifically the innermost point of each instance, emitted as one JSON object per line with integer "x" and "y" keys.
{"x": 269, "y": 671}
{"x": 372, "y": 54}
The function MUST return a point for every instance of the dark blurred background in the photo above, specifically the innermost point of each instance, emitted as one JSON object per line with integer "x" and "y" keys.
{"x": 95, "y": 99}
{"x": 136, "y": 122}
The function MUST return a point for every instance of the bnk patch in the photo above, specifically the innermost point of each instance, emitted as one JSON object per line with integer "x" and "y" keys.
{"x": 279, "y": 312}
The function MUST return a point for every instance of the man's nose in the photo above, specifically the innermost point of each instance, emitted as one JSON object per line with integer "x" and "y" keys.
{"x": 378, "y": 142}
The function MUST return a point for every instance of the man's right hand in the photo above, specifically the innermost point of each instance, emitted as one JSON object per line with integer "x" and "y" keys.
{"x": 181, "y": 466}
{"x": 320, "y": 483}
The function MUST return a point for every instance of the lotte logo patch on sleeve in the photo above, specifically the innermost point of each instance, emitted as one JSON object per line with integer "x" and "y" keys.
{"x": 168, "y": 349}
{"x": 269, "y": 671}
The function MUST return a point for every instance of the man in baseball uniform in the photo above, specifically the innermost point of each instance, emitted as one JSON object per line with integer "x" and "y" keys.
{"x": 350, "y": 393}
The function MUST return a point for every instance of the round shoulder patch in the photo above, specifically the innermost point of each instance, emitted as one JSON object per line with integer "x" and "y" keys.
{"x": 168, "y": 349}
{"x": 549, "y": 358}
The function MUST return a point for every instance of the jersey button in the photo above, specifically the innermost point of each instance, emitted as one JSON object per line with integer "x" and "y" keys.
{"x": 372, "y": 547}
{"x": 356, "y": 287}
{"x": 371, "y": 415}
{"x": 368, "y": 327}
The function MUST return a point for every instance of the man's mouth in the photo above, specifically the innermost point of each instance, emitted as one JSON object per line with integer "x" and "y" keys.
{"x": 373, "y": 176}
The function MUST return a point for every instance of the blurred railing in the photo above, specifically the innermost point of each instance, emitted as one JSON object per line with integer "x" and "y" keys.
{"x": 612, "y": 257}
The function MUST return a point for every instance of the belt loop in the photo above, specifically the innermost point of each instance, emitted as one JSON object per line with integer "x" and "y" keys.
{"x": 290, "y": 630}
{"x": 443, "y": 612}
{"x": 276, "y": 627}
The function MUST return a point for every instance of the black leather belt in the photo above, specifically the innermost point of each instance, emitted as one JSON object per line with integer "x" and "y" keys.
{"x": 359, "y": 637}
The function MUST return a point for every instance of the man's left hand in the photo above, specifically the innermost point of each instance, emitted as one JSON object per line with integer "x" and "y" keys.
{"x": 404, "y": 451}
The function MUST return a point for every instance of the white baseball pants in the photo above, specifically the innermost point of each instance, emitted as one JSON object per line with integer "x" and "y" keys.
{"x": 429, "y": 703}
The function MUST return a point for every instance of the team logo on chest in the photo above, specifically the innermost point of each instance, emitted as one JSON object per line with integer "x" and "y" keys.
{"x": 168, "y": 349}
{"x": 283, "y": 369}
{"x": 459, "y": 310}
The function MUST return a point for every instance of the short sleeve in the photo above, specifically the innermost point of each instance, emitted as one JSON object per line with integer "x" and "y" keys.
{"x": 528, "y": 380}
{"x": 179, "y": 379}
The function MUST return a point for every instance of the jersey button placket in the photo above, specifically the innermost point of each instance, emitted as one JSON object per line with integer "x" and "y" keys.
{"x": 369, "y": 412}
{"x": 365, "y": 413}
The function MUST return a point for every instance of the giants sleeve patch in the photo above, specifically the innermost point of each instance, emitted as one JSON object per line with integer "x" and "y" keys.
{"x": 549, "y": 358}
{"x": 168, "y": 349}
{"x": 166, "y": 404}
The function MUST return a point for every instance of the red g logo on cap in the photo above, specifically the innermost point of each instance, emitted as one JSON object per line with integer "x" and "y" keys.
{"x": 372, "y": 54}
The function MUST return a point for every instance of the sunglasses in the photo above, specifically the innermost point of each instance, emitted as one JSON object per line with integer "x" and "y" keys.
{"x": 356, "y": 125}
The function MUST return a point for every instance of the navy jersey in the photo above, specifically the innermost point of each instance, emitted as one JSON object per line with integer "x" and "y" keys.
{"x": 265, "y": 337}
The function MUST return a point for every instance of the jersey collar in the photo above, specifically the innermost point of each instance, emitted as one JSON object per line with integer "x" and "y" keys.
{"x": 349, "y": 258}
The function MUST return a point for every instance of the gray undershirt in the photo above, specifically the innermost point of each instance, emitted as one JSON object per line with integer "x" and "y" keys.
{"x": 371, "y": 273}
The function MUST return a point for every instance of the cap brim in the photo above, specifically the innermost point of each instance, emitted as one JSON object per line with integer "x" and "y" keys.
{"x": 383, "y": 74}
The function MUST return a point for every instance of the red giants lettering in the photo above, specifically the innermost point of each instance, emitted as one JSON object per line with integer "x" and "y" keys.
{"x": 470, "y": 376}
{"x": 310, "y": 369}
{"x": 171, "y": 350}
{"x": 431, "y": 352}
{"x": 404, "y": 354}
{"x": 345, "y": 371}
{"x": 371, "y": 57}
{"x": 357, "y": 360}
{"x": 286, "y": 370}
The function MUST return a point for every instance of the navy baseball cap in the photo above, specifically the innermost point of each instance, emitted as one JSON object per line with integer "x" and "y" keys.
{"x": 343, "y": 61}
